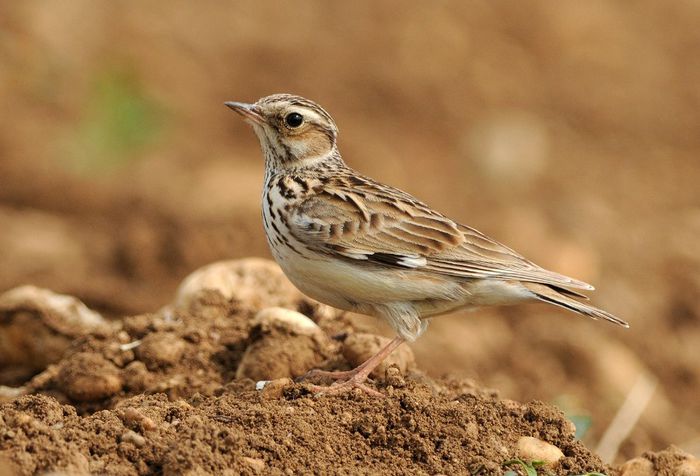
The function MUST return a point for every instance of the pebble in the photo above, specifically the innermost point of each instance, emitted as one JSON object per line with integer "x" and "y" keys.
{"x": 274, "y": 389}
{"x": 286, "y": 319}
{"x": 132, "y": 415}
{"x": 534, "y": 449}
{"x": 134, "y": 438}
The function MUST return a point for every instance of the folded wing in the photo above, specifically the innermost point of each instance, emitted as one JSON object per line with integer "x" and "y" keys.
{"x": 357, "y": 219}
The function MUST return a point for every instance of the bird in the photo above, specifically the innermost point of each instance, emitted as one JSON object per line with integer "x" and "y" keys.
{"x": 359, "y": 245}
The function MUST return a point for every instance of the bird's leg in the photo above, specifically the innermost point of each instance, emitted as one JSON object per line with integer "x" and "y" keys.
{"x": 356, "y": 377}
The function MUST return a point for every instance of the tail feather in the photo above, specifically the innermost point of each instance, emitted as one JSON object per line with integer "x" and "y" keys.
{"x": 555, "y": 296}
{"x": 568, "y": 292}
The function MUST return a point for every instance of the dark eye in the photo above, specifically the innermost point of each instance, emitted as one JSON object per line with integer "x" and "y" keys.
{"x": 294, "y": 119}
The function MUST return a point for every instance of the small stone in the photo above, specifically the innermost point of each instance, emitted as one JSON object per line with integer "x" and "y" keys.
{"x": 286, "y": 319}
{"x": 9, "y": 393}
{"x": 132, "y": 415}
{"x": 148, "y": 424}
{"x": 274, "y": 389}
{"x": 534, "y": 449}
{"x": 134, "y": 438}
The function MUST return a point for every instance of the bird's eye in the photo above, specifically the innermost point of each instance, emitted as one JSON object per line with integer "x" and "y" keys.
{"x": 294, "y": 119}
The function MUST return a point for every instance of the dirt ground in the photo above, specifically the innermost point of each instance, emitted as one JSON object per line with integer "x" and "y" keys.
{"x": 179, "y": 392}
{"x": 567, "y": 131}
{"x": 174, "y": 392}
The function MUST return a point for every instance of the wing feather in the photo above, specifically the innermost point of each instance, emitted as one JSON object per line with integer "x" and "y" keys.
{"x": 364, "y": 220}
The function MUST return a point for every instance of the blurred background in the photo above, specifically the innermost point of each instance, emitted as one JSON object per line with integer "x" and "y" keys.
{"x": 568, "y": 130}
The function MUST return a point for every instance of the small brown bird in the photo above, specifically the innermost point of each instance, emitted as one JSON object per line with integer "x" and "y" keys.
{"x": 358, "y": 245}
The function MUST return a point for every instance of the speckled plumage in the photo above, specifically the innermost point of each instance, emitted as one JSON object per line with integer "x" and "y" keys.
{"x": 351, "y": 242}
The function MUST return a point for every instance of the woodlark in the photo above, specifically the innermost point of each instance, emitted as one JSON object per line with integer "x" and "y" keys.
{"x": 362, "y": 246}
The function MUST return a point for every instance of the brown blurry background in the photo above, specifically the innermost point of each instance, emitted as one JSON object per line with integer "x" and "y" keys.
{"x": 567, "y": 130}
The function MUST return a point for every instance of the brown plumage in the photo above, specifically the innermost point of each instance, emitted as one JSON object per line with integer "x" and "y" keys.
{"x": 351, "y": 242}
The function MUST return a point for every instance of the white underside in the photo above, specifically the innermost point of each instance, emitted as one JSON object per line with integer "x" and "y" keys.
{"x": 401, "y": 297}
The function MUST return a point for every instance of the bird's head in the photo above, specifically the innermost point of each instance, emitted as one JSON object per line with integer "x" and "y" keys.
{"x": 293, "y": 132}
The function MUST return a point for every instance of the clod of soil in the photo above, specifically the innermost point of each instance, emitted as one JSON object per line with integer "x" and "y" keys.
{"x": 284, "y": 343}
{"x": 36, "y": 328}
{"x": 671, "y": 461}
{"x": 85, "y": 377}
{"x": 160, "y": 349}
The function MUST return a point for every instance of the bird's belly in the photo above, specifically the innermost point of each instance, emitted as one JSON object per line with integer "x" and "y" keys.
{"x": 357, "y": 287}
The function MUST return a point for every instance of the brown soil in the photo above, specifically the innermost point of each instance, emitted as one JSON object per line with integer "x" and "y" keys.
{"x": 171, "y": 405}
{"x": 416, "y": 430}
{"x": 162, "y": 394}
{"x": 567, "y": 132}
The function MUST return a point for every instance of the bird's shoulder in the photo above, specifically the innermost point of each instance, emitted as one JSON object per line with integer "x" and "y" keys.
{"x": 353, "y": 213}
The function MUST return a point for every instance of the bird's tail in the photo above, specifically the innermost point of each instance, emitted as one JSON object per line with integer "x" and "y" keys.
{"x": 547, "y": 294}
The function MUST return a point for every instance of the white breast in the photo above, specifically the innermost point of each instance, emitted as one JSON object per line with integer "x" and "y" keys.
{"x": 342, "y": 283}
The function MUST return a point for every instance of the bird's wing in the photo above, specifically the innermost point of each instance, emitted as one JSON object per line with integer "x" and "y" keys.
{"x": 356, "y": 218}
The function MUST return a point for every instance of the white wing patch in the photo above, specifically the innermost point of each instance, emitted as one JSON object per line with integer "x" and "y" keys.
{"x": 354, "y": 254}
{"x": 405, "y": 261}
{"x": 412, "y": 261}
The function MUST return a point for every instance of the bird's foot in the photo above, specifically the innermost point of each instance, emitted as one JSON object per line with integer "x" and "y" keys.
{"x": 345, "y": 381}
{"x": 348, "y": 380}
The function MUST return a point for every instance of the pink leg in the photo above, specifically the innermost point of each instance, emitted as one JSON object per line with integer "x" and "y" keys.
{"x": 356, "y": 377}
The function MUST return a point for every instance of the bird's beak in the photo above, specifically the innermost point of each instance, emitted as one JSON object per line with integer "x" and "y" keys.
{"x": 248, "y": 111}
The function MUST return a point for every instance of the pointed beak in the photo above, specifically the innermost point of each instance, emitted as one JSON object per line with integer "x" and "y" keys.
{"x": 248, "y": 111}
